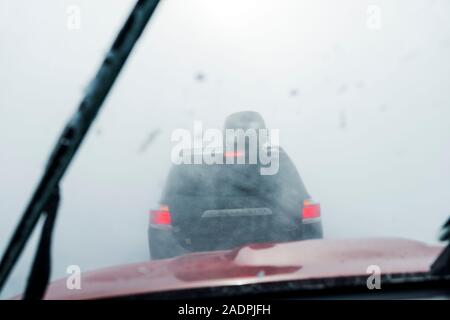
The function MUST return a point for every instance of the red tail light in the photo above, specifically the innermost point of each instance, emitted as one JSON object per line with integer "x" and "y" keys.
{"x": 160, "y": 216}
{"x": 311, "y": 210}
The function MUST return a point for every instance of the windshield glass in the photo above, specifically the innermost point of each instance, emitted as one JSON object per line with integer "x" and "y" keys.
{"x": 233, "y": 122}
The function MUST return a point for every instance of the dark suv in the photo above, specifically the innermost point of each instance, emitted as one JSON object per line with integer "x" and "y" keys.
{"x": 214, "y": 207}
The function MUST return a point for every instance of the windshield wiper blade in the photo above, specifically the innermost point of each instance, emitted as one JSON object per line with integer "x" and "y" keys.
{"x": 66, "y": 148}
{"x": 441, "y": 266}
{"x": 445, "y": 231}
{"x": 40, "y": 271}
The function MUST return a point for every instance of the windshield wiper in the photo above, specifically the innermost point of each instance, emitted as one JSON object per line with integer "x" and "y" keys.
{"x": 441, "y": 266}
{"x": 45, "y": 199}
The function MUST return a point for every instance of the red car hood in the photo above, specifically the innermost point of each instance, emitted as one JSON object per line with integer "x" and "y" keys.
{"x": 253, "y": 264}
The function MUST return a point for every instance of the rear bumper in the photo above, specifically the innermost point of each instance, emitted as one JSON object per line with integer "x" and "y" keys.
{"x": 163, "y": 244}
{"x": 312, "y": 230}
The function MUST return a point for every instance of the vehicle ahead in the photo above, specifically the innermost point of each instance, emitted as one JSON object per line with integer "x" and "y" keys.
{"x": 221, "y": 206}
{"x": 303, "y": 269}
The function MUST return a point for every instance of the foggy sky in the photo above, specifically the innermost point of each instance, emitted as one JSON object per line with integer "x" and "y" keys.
{"x": 363, "y": 113}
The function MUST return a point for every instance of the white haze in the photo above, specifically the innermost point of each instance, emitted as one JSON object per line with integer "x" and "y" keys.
{"x": 363, "y": 113}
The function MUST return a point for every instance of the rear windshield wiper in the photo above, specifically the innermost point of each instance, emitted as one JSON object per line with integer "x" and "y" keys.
{"x": 45, "y": 199}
